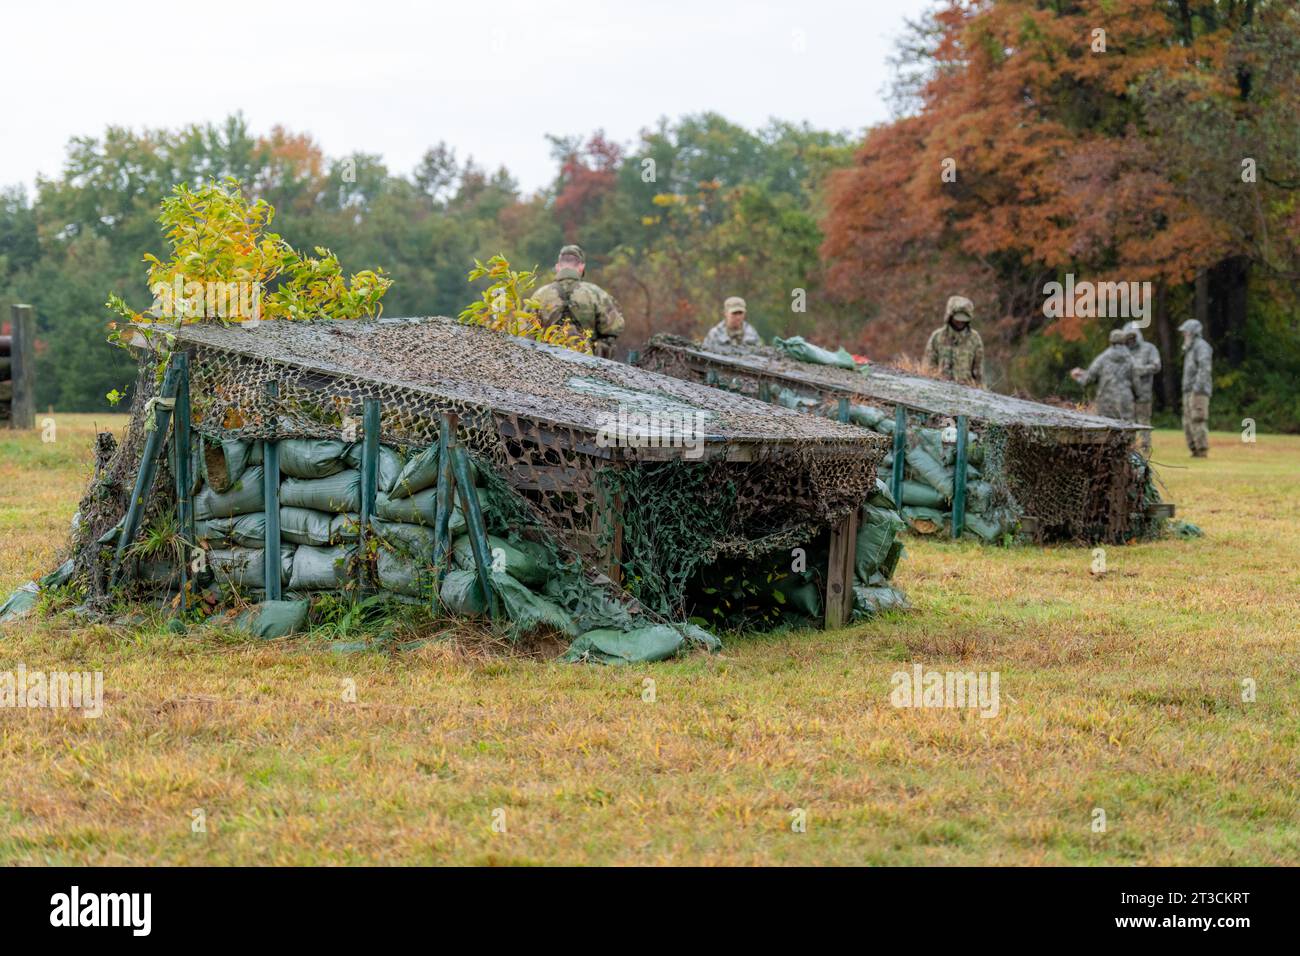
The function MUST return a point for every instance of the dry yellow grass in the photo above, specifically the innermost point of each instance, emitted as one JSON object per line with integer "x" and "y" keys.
{"x": 1121, "y": 692}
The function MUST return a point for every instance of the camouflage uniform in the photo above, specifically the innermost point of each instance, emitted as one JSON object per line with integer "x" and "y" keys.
{"x": 1116, "y": 376}
{"x": 1147, "y": 359}
{"x": 585, "y": 304}
{"x": 957, "y": 354}
{"x": 721, "y": 335}
{"x": 1198, "y": 360}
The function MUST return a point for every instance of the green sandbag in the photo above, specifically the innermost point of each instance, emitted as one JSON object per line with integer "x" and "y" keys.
{"x": 918, "y": 493}
{"x": 528, "y": 610}
{"x": 643, "y": 644}
{"x": 926, "y": 468}
{"x": 20, "y": 602}
{"x": 419, "y": 473}
{"x": 799, "y": 594}
{"x": 804, "y": 351}
{"x": 794, "y": 400}
{"x": 889, "y": 565}
{"x": 391, "y": 464}
{"x": 882, "y": 497}
{"x": 931, "y": 439}
{"x": 337, "y": 494}
{"x": 309, "y": 526}
{"x": 869, "y": 601}
{"x": 876, "y": 532}
{"x": 868, "y": 416}
{"x": 311, "y": 457}
{"x": 244, "y": 498}
{"x": 224, "y": 462}
{"x": 990, "y": 528}
{"x": 977, "y": 496}
{"x": 319, "y": 528}
{"x": 271, "y": 619}
{"x": 524, "y": 561}
{"x": 414, "y": 540}
{"x": 403, "y": 574}
{"x": 460, "y": 593}
{"x": 245, "y": 531}
{"x": 245, "y": 567}
{"x": 320, "y": 569}
{"x": 419, "y": 508}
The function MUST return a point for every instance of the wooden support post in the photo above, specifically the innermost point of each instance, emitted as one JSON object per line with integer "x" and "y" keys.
{"x": 959, "y": 481}
{"x": 900, "y": 455}
{"x": 22, "y": 363}
{"x": 181, "y": 466}
{"x": 839, "y": 571}
{"x": 148, "y": 469}
{"x": 609, "y": 514}
{"x": 271, "y": 505}
{"x": 445, "y": 503}
{"x": 475, "y": 526}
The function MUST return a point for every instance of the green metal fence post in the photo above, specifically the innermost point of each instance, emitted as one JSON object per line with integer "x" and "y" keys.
{"x": 181, "y": 466}
{"x": 148, "y": 469}
{"x": 475, "y": 526}
{"x": 842, "y": 412}
{"x": 442, "y": 514}
{"x": 370, "y": 424}
{"x": 900, "y": 454}
{"x": 959, "y": 481}
{"x": 271, "y": 505}
{"x": 370, "y": 417}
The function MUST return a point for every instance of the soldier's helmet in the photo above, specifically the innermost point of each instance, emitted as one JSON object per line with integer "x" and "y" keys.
{"x": 1118, "y": 336}
{"x": 959, "y": 305}
{"x": 573, "y": 251}
{"x": 1190, "y": 327}
{"x": 733, "y": 304}
{"x": 1132, "y": 327}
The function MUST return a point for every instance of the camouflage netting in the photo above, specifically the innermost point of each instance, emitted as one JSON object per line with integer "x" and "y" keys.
{"x": 1075, "y": 473}
{"x": 753, "y": 481}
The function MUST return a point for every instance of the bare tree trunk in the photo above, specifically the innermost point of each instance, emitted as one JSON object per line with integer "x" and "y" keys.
{"x": 1169, "y": 364}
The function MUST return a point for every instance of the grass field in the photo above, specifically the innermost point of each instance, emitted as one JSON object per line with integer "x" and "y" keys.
{"x": 1122, "y": 692}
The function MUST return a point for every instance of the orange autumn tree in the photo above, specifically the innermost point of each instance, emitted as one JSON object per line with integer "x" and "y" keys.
{"x": 1062, "y": 137}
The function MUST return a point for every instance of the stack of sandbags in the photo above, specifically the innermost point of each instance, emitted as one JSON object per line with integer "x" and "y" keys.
{"x": 929, "y": 476}
{"x": 319, "y": 505}
{"x": 877, "y": 555}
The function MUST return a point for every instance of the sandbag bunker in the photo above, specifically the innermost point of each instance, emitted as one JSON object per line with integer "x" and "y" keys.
{"x": 481, "y": 473}
{"x": 962, "y": 460}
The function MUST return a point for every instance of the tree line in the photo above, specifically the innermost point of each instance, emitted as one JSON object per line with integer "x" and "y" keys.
{"x": 1027, "y": 147}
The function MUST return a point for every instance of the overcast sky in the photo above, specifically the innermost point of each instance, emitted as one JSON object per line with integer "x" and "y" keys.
{"x": 393, "y": 77}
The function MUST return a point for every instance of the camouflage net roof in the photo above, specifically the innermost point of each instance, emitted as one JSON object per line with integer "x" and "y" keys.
{"x": 885, "y": 384}
{"x": 443, "y": 366}
{"x": 1074, "y": 472}
{"x": 765, "y": 478}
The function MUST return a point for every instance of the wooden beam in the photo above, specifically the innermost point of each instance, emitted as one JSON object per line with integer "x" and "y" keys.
{"x": 839, "y": 571}
{"x": 22, "y": 358}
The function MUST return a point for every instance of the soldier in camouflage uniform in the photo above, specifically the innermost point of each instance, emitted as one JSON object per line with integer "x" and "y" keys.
{"x": 733, "y": 329}
{"x": 1147, "y": 359}
{"x": 956, "y": 351}
{"x": 1116, "y": 377}
{"x": 1198, "y": 360}
{"x": 585, "y": 304}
